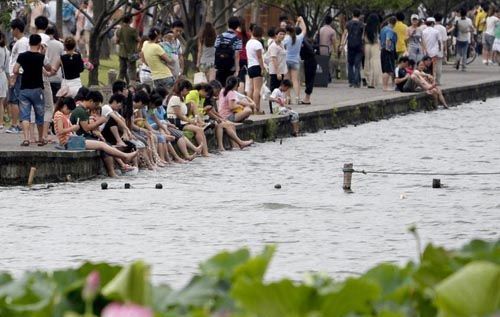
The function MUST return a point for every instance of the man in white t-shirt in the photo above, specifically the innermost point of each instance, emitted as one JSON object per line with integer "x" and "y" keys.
{"x": 22, "y": 45}
{"x": 443, "y": 37}
{"x": 431, "y": 43}
{"x": 115, "y": 123}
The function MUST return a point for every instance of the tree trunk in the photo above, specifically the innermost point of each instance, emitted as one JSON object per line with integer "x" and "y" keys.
{"x": 95, "y": 49}
{"x": 256, "y": 12}
{"x": 59, "y": 18}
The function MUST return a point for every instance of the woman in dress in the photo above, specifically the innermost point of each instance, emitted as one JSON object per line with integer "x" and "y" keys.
{"x": 206, "y": 51}
{"x": 4, "y": 68}
{"x": 373, "y": 68}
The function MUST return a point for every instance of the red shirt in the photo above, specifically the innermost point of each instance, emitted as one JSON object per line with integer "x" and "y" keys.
{"x": 243, "y": 52}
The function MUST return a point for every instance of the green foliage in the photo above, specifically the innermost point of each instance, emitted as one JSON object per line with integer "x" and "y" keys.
{"x": 446, "y": 283}
{"x": 271, "y": 129}
{"x": 412, "y": 104}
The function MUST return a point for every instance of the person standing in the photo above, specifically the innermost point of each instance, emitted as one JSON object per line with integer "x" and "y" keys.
{"x": 308, "y": 55}
{"x": 293, "y": 44}
{"x": 206, "y": 51}
{"x": 388, "y": 40}
{"x": 277, "y": 62}
{"x": 465, "y": 30}
{"x": 127, "y": 38}
{"x": 443, "y": 39}
{"x": 415, "y": 51}
{"x": 489, "y": 36}
{"x": 155, "y": 57}
{"x": 327, "y": 37}
{"x": 431, "y": 42}
{"x": 480, "y": 25}
{"x": 353, "y": 37}
{"x": 22, "y": 45}
{"x": 4, "y": 68}
{"x": 54, "y": 50}
{"x": 401, "y": 30}
{"x": 227, "y": 48}
{"x": 87, "y": 27}
{"x": 255, "y": 53}
{"x": 71, "y": 65}
{"x": 31, "y": 91}
{"x": 176, "y": 48}
{"x": 373, "y": 68}
{"x": 37, "y": 8}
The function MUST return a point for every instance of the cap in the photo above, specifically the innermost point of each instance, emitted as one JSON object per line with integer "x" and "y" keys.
{"x": 431, "y": 19}
{"x": 414, "y": 17}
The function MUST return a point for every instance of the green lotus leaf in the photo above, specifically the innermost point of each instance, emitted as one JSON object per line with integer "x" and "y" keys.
{"x": 223, "y": 264}
{"x": 131, "y": 284}
{"x": 472, "y": 291}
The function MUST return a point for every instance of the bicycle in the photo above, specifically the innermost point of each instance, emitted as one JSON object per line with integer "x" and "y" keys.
{"x": 452, "y": 52}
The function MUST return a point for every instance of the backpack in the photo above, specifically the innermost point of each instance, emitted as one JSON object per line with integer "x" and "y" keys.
{"x": 224, "y": 53}
{"x": 455, "y": 30}
{"x": 68, "y": 12}
{"x": 355, "y": 36}
{"x": 307, "y": 50}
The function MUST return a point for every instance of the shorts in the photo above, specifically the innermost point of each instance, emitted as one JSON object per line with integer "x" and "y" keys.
{"x": 138, "y": 144}
{"x": 255, "y": 71}
{"x": 166, "y": 83}
{"x": 32, "y": 98}
{"x": 205, "y": 67}
{"x": 387, "y": 61}
{"x": 14, "y": 91}
{"x": 409, "y": 86}
{"x": 231, "y": 118}
{"x": 294, "y": 116}
{"x": 496, "y": 45}
{"x": 292, "y": 65}
{"x": 177, "y": 122}
{"x": 488, "y": 41}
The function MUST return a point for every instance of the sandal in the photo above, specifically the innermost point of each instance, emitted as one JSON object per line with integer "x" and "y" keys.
{"x": 42, "y": 143}
{"x": 25, "y": 143}
{"x": 304, "y": 103}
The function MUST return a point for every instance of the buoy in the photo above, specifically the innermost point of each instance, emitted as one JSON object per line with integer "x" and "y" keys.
{"x": 104, "y": 186}
{"x": 277, "y": 186}
{"x": 281, "y": 141}
{"x": 436, "y": 183}
{"x": 159, "y": 186}
{"x": 127, "y": 186}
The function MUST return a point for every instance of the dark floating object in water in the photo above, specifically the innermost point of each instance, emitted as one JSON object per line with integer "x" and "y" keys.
{"x": 281, "y": 141}
{"x": 436, "y": 183}
{"x": 127, "y": 185}
{"x": 277, "y": 186}
{"x": 104, "y": 186}
{"x": 159, "y": 186}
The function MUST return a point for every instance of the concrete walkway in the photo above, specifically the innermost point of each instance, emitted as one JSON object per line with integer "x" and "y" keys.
{"x": 337, "y": 94}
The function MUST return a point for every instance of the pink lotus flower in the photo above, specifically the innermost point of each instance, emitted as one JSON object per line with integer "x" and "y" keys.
{"x": 92, "y": 284}
{"x": 127, "y": 310}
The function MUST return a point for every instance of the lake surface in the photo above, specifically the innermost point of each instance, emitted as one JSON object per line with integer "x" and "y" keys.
{"x": 229, "y": 201}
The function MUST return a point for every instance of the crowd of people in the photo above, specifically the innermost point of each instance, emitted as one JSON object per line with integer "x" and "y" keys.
{"x": 156, "y": 116}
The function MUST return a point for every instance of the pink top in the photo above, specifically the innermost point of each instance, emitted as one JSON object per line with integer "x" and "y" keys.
{"x": 224, "y": 107}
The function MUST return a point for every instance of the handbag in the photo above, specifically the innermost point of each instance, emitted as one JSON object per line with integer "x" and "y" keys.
{"x": 199, "y": 78}
{"x": 75, "y": 143}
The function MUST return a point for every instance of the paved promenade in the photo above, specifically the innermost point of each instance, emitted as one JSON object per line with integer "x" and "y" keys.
{"x": 337, "y": 94}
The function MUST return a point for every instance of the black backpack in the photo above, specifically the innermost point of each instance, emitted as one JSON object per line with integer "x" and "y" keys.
{"x": 355, "y": 36}
{"x": 224, "y": 53}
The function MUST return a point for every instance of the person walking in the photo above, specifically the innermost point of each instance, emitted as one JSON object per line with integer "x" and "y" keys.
{"x": 401, "y": 30}
{"x": 54, "y": 51}
{"x": 277, "y": 61}
{"x": 127, "y": 38}
{"x": 388, "y": 39}
{"x": 227, "y": 48}
{"x": 373, "y": 68}
{"x": 293, "y": 44}
{"x": 353, "y": 37}
{"x": 31, "y": 92}
{"x": 327, "y": 42}
{"x": 465, "y": 29}
{"x": 205, "y": 61}
{"x": 414, "y": 35}
{"x": 255, "y": 53}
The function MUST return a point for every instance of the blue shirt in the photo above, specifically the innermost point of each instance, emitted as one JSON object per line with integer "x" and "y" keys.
{"x": 293, "y": 50}
{"x": 387, "y": 34}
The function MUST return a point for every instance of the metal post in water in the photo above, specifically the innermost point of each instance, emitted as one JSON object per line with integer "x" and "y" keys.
{"x": 348, "y": 170}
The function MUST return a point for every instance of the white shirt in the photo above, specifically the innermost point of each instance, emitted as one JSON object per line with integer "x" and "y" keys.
{"x": 22, "y": 45}
{"x": 279, "y": 52}
{"x": 464, "y": 29}
{"x": 278, "y": 94}
{"x": 106, "y": 111}
{"x": 54, "y": 51}
{"x": 443, "y": 37}
{"x": 490, "y": 25}
{"x": 253, "y": 46}
{"x": 52, "y": 11}
{"x": 431, "y": 39}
